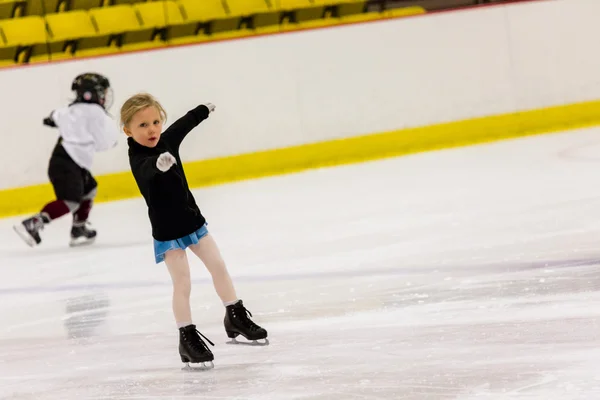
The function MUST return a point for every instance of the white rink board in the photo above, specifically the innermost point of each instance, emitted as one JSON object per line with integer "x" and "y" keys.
{"x": 296, "y": 88}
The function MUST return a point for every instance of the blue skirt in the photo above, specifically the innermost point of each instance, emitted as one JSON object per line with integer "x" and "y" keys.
{"x": 160, "y": 248}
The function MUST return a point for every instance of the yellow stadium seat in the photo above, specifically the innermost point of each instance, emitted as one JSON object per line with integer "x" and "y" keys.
{"x": 166, "y": 15}
{"x": 44, "y": 58}
{"x": 121, "y": 2}
{"x": 11, "y": 8}
{"x": 121, "y": 22}
{"x": 7, "y": 63}
{"x": 404, "y": 11}
{"x": 25, "y": 37}
{"x": 83, "y": 4}
{"x": 71, "y": 31}
{"x": 98, "y": 51}
{"x": 256, "y": 12}
{"x": 157, "y": 43}
{"x": 208, "y": 16}
{"x": 311, "y": 24}
{"x": 43, "y": 7}
{"x": 363, "y": 17}
{"x": 7, "y": 56}
{"x": 343, "y": 8}
{"x": 24, "y": 31}
{"x": 159, "y": 14}
{"x": 301, "y": 10}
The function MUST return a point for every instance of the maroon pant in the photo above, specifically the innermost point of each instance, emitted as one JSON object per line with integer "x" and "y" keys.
{"x": 74, "y": 187}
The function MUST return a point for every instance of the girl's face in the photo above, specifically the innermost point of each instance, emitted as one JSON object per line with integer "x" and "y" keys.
{"x": 145, "y": 127}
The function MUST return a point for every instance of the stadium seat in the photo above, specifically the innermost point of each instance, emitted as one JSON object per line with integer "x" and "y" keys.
{"x": 6, "y": 63}
{"x": 51, "y": 57}
{"x": 122, "y": 23}
{"x": 311, "y": 24}
{"x": 121, "y": 2}
{"x": 208, "y": 16}
{"x": 158, "y": 14}
{"x": 43, "y": 7}
{"x": 11, "y": 8}
{"x": 404, "y": 11}
{"x": 73, "y": 30}
{"x": 344, "y": 7}
{"x": 6, "y": 56}
{"x": 97, "y": 51}
{"x": 83, "y": 4}
{"x": 256, "y": 12}
{"x": 301, "y": 10}
{"x": 24, "y": 36}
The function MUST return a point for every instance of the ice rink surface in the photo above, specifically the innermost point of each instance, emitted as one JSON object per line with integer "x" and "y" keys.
{"x": 461, "y": 274}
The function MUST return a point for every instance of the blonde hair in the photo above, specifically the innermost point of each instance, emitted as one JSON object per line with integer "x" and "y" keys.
{"x": 137, "y": 103}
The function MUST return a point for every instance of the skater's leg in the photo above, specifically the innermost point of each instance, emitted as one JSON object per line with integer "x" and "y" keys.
{"x": 207, "y": 250}
{"x": 29, "y": 229}
{"x": 82, "y": 213}
{"x": 178, "y": 266}
{"x": 192, "y": 348}
{"x": 67, "y": 185}
{"x": 57, "y": 208}
{"x": 237, "y": 321}
{"x": 90, "y": 189}
{"x": 81, "y": 232}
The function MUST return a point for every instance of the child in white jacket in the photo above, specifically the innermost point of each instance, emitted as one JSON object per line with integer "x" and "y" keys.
{"x": 84, "y": 128}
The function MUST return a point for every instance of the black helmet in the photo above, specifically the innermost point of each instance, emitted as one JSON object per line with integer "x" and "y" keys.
{"x": 92, "y": 88}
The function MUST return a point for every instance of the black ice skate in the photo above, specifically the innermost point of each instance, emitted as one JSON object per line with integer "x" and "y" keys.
{"x": 238, "y": 323}
{"x": 82, "y": 234}
{"x": 29, "y": 230}
{"x": 192, "y": 349}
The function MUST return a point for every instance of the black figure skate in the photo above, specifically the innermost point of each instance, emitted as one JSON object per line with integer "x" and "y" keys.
{"x": 192, "y": 349}
{"x": 29, "y": 230}
{"x": 238, "y": 323}
{"x": 82, "y": 234}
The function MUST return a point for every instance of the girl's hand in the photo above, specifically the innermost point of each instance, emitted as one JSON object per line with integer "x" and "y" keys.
{"x": 211, "y": 107}
{"x": 165, "y": 161}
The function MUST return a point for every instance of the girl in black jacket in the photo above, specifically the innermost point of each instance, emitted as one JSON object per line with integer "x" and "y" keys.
{"x": 177, "y": 222}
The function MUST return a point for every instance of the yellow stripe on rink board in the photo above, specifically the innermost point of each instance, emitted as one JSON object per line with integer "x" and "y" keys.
{"x": 335, "y": 152}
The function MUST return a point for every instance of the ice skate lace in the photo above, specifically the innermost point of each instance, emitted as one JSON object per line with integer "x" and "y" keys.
{"x": 35, "y": 223}
{"x": 84, "y": 225}
{"x": 196, "y": 342}
{"x": 241, "y": 314}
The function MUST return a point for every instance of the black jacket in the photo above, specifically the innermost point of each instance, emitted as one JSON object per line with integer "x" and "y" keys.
{"x": 171, "y": 206}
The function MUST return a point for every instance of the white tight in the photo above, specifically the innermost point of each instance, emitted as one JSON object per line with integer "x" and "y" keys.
{"x": 177, "y": 263}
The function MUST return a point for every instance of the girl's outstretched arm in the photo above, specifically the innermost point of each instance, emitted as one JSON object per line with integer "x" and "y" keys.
{"x": 175, "y": 134}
